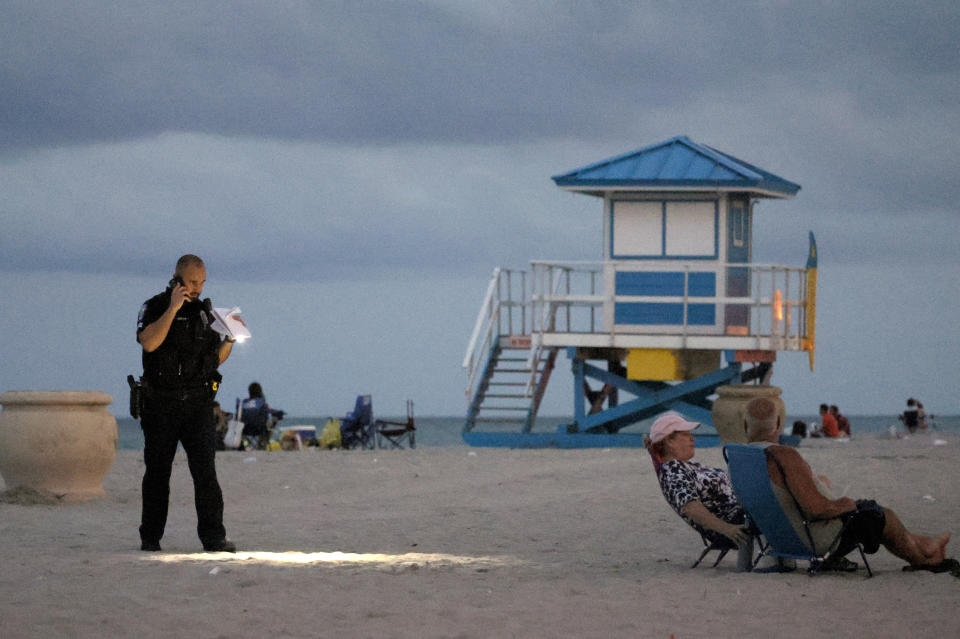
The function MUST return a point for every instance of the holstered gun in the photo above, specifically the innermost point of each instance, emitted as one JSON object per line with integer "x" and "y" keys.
{"x": 136, "y": 397}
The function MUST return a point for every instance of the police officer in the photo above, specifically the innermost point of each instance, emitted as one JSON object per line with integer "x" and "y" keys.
{"x": 181, "y": 354}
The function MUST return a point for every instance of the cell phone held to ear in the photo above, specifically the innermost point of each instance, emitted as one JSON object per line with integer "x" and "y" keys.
{"x": 175, "y": 281}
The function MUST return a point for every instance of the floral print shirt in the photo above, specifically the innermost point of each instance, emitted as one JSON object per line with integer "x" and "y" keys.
{"x": 683, "y": 482}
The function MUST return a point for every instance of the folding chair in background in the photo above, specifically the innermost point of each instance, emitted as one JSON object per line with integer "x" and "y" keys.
{"x": 748, "y": 472}
{"x": 356, "y": 427}
{"x": 254, "y": 417}
{"x": 394, "y": 434}
{"x": 723, "y": 545}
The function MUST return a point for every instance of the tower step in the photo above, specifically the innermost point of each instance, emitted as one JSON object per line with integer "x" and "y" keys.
{"x": 509, "y": 365}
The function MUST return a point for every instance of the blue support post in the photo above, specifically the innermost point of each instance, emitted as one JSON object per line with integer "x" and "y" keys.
{"x": 579, "y": 413}
{"x": 652, "y": 397}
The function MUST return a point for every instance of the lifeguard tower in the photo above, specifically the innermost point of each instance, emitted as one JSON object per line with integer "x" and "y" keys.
{"x": 675, "y": 309}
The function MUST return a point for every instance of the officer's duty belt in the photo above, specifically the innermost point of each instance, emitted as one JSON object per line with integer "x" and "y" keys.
{"x": 182, "y": 394}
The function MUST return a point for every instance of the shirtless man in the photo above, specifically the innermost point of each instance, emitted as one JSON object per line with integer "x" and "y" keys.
{"x": 873, "y": 524}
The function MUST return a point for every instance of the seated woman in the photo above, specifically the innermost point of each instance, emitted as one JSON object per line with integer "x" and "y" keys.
{"x": 702, "y": 496}
{"x": 257, "y": 417}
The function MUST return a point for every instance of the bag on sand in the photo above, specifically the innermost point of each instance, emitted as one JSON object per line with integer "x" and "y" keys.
{"x": 330, "y": 435}
{"x": 234, "y": 434}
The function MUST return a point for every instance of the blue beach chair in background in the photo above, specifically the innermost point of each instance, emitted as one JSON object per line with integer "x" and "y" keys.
{"x": 254, "y": 415}
{"x": 356, "y": 427}
{"x": 748, "y": 472}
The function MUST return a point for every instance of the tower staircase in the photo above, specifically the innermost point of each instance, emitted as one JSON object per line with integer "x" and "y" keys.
{"x": 507, "y": 375}
{"x": 511, "y": 387}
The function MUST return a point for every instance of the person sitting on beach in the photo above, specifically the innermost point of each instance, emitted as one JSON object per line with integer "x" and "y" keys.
{"x": 911, "y": 416}
{"x": 222, "y": 424}
{"x": 867, "y": 522}
{"x": 843, "y": 424}
{"x": 257, "y": 416}
{"x": 799, "y": 428}
{"x": 702, "y": 496}
{"x": 828, "y": 422}
{"x": 921, "y": 416}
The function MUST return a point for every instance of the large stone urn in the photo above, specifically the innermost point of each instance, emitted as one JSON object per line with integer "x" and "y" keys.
{"x": 58, "y": 442}
{"x": 729, "y": 409}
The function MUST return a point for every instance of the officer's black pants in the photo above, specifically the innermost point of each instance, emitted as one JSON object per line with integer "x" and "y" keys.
{"x": 166, "y": 422}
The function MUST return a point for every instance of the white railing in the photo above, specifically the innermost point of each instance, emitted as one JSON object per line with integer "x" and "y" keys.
{"x": 505, "y": 311}
{"x": 562, "y": 288}
{"x": 580, "y": 298}
{"x": 558, "y": 283}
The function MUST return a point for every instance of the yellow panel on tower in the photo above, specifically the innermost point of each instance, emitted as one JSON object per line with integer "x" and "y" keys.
{"x": 669, "y": 365}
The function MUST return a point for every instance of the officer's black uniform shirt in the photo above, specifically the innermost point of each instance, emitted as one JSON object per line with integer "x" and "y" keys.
{"x": 189, "y": 356}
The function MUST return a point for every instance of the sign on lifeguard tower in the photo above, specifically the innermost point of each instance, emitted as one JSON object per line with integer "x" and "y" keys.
{"x": 675, "y": 309}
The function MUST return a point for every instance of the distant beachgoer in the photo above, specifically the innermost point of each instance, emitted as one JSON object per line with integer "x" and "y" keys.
{"x": 921, "y": 416}
{"x": 862, "y": 521}
{"x": 828, "y": 422}
{"x": 843, "y": 424}
{"x": 799, "y": 428}
{"x": 257, "y": 417}
{"x": 911, "y": 416}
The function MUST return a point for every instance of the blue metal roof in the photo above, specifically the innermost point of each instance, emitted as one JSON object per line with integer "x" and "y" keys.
{"x": 678, "y": 163}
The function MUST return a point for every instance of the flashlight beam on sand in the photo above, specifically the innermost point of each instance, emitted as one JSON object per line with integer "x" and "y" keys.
{"x": 338, "y": 558}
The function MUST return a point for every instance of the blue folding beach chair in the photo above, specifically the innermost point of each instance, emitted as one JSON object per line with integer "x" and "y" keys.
{"x": 356, "y": 427}
{"x": 254, "y": 416}
{"x": 748, "y": 472}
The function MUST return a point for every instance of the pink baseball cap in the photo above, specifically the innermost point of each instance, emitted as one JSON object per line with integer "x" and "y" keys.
{"x": 669, "y": 423}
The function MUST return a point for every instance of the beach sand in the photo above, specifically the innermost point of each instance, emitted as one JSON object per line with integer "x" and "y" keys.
{"x": 460, "y": 542}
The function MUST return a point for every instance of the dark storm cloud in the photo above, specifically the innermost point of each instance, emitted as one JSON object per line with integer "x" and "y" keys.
{"x": 382, "y": 72}
{"x": 268, "y": 210}
{"x": 358, "y": 72}
{"x": 298, "y": 137}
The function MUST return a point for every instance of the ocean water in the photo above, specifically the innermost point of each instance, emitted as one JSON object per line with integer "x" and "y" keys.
{"x": 445, "y": 431}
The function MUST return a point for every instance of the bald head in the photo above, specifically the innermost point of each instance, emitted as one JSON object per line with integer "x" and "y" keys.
{"x": 762, "y": 420}
{"x": 186, "y": 261}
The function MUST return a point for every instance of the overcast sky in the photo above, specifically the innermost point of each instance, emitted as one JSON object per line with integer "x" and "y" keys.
{"x": 353, "y": 171}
